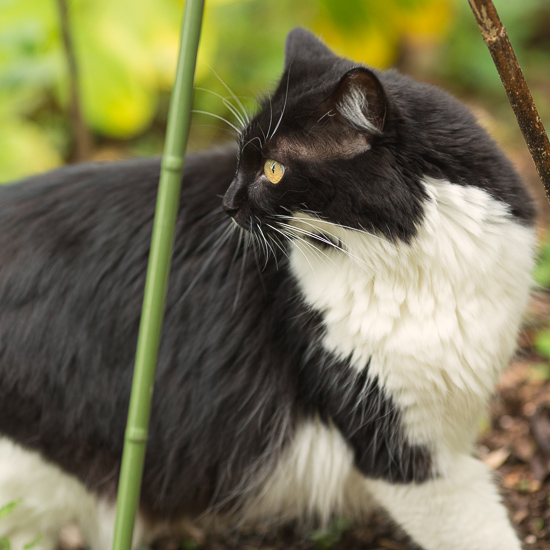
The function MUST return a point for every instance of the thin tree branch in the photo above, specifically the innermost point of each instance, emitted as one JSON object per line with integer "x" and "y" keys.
{"x": 495, "y": 36}
{"x": 81, "y": 134}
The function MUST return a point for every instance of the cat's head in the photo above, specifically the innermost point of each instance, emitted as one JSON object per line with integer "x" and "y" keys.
{"x": 326, "y": 144}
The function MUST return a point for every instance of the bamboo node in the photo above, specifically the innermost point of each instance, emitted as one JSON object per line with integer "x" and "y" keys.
{"x": 136, "y": 435}
{"x": 172, "y": 163}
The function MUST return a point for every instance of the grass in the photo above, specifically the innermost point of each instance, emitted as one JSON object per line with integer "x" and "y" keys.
{"x": 5, "y": 544}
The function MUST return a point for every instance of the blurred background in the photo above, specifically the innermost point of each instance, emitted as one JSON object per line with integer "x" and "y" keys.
{"x": 125, "y": 54}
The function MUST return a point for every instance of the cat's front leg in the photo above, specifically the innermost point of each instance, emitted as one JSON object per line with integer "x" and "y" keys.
{"x": 38, "y": 499}
{"x": 461, "y": 510}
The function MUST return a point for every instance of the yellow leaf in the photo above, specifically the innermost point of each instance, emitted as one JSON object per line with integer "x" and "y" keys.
{"x": 371, "y": 45}
{"x": 24, "y": 150}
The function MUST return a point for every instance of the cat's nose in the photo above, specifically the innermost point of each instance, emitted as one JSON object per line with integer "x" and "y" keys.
{"x": 229, "y": 208}
{"x": 234, "y": 197}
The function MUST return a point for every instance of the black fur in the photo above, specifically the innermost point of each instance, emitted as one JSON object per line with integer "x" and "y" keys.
{"x": 232, "y": 380}
{"x": 425, "y": 132}
{"x": 366, "y": 417}
{"x": 241, "y": 364}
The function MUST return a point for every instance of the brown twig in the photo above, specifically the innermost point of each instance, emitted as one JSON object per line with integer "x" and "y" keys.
{"x": 530, "y": 124}
{"x": 81, "y": 134}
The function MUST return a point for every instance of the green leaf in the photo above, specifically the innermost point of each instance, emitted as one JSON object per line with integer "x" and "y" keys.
{"x": 24, "y": 150}
{"x": 542, "y": 342}
{"x": 114, "y": 102}
{"x": 33, "y": 543}
{"x": 9, "y": 508}
{"x": 539, "y": 372}
{"x": 541, "y": 273}
{"x": 189, "y": 545}
{"x": 325, "y": 539}
{"x": 5, "y": 544}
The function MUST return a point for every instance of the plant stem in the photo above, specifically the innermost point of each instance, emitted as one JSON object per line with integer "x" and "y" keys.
{"x": 81, "y": 134}
{"x": 179, "y": 118}
{"x": 495, "y": 36}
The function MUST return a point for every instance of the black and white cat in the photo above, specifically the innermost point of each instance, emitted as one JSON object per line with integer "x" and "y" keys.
{"x": 329, "y": 346}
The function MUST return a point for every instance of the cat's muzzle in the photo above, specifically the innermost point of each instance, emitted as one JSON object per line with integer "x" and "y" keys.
{"x": 235, "y": 203}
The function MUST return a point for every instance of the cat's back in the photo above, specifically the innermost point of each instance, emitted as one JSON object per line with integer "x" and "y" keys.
{"x": 81, "y": 194}
{"x": 72, "y": 225}
{"x": 74, "y": 245}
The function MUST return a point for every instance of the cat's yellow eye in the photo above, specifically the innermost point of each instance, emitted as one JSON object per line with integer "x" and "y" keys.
{"x": 273, "y": 170}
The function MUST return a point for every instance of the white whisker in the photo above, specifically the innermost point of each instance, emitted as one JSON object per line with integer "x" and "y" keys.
{"x": 270, "y": 117}
{"x": 268, "y": 247}
{"x": 276, "y": 241}
{"x": 227, "y": 103}
{"x": 238, "y": 247}
{"x": 251, "y": 140}
{"x": 218, "y": 117}
{"x": 361, "y": 262}
{"x": 297, "y": 236}
{"x": 211, "y": 236}
{"x": 245, "y": 114}
{"x": 357, "y": 230}
{"x": 284, "y": 106}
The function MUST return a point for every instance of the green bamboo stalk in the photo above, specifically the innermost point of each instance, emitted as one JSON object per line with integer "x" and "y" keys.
{"x": 177, "y": 133}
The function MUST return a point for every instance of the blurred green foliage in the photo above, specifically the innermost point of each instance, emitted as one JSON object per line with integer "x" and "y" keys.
{"x": 541, "y": 274}
{"x": 126, "y": 53}
{"x": 464, "y": 61}
{"x": 327, "y": 538}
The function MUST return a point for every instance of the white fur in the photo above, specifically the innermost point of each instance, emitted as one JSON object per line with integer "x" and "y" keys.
{"x": 49, "y": 499}
{"x": 458, "y": 511}
{"x": 439, "y": 320}
{"x": 315, "y": 479}
{"x": 353, "y": 107}
{"x": 439, "y": 317}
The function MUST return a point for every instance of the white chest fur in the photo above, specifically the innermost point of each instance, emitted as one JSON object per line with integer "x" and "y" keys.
{"x": 438, "y": 318}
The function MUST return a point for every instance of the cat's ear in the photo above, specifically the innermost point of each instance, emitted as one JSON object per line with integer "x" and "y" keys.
{"x": 360, "y": 99}
{"x": 302, "y": 46}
